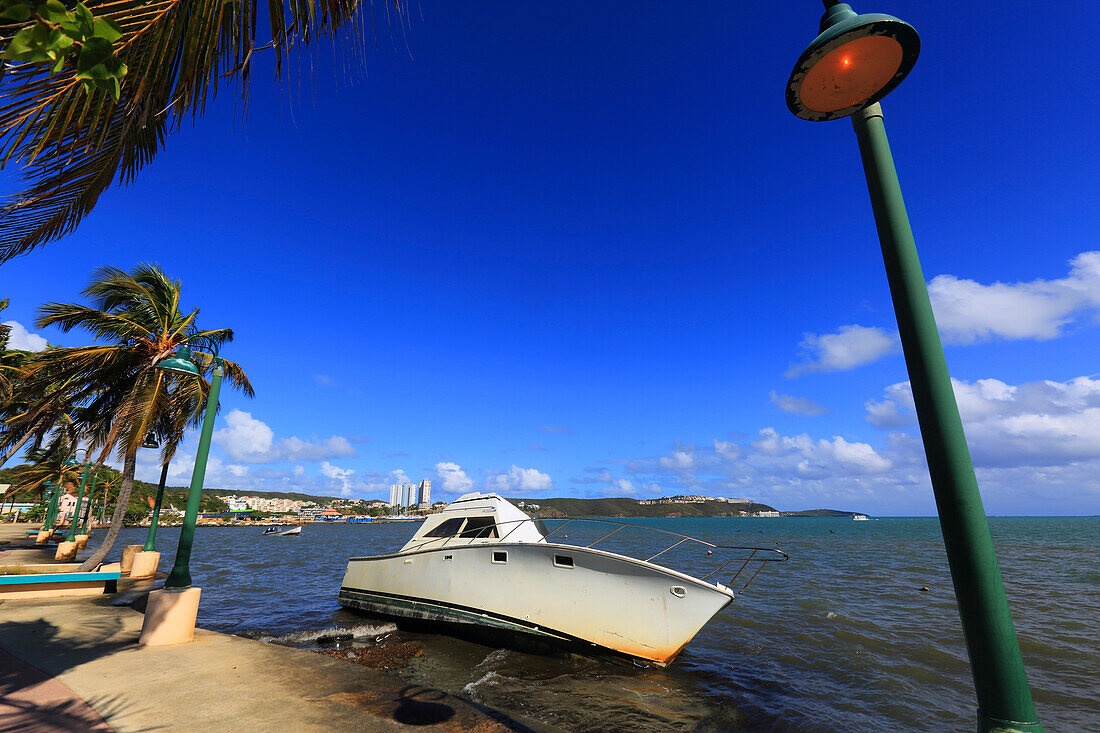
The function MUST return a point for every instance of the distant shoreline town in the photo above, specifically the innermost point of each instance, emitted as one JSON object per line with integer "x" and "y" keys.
{"x": 415, "y": 499}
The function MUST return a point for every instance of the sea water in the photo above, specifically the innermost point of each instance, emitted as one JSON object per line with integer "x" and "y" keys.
{"x": 842, "y": 637}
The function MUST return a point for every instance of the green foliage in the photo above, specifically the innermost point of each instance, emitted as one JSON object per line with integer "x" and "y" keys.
{"x": 145, "y": 66}
{"x": 58, "y": 37}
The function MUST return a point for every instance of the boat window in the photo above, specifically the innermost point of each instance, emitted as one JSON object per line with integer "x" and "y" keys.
{"x": 500, "y": 557}
{"x": 478, "y": 527}
{"x": 563, "y": 561}
{"x": 448, "y": 528}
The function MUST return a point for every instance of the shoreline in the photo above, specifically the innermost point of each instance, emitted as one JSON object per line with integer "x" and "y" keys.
{"x": 87, "y": 646}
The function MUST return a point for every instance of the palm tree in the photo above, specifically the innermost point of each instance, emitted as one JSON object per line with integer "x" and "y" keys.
{"x": 39, "y": 409}
{"x": 46, "y": 464}
{"x": 136, "y": 319}
{"x": 73, "y": 131}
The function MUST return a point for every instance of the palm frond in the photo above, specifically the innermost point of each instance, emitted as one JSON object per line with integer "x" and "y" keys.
{"x": 73, "y": 144}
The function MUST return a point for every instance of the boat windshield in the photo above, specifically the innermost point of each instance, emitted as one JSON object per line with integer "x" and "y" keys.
{"x": 479, "y": 527}
{"x": 448, "y": 528}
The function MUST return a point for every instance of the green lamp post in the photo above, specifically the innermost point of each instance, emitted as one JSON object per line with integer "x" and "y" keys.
{"x": 151, "y": 540}
{"x": 91, "y": 497}
{"x": 71, "y": 536}
{"x": 51, "y": 508}
{"x": 181, "y": 364}
{"x": 854, "y": 62}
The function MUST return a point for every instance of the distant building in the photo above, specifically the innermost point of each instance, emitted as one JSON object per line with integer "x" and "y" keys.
{"x": 424, "y": 494}
{"x": 66, "y": 505}
{"x": 330, "y": 515}
{"x": 395, "y": 495}
{"x": 310, "y": 513}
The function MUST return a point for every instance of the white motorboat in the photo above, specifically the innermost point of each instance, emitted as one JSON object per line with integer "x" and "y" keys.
{"x": 860, "y": 518}
{"x": 483, "y": 564}
{"x": 284, "y": 531}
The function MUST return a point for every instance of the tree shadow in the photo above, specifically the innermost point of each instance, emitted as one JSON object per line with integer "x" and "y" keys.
{"x": 31, "y": 696}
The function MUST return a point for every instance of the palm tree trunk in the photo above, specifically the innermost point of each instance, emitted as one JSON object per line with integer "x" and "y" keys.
{"x": 15, "y": 449}
{"x": 128, "y": 467}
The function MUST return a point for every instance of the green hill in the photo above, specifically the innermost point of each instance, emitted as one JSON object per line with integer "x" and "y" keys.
{"x": 623, "y": 507}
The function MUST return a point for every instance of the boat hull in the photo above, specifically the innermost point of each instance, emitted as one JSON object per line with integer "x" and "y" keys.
{"x": 560, "y": 594}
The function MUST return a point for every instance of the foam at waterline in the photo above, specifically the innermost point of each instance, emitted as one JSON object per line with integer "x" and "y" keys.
{"x": 366, "y": 631}
{"x": 489, "y": 679}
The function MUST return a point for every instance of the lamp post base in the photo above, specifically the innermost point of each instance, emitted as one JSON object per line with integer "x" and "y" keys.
{"x": 128, "y": 553}
{"x": 65, "y": 551}
{"x": 170, "y": 616}
{"x": 144, "y": 565}
{"x": 43, "y": 537}
{"x": 81, "y": 541}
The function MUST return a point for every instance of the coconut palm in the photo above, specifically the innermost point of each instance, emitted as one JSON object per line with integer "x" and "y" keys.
{"x": 74, "y": 127}
{"x": 137, "y": 322}
{"x": 39, "y": 410}
{"x": 46, "y": 465}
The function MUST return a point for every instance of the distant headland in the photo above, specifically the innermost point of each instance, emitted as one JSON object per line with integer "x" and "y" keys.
{"x": 667, "y": 506}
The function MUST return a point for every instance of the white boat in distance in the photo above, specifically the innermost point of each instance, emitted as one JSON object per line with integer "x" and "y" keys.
{"x": 860, "y": 518}
{"x": 482, "y": 564}
{"x": 284, "y": 531}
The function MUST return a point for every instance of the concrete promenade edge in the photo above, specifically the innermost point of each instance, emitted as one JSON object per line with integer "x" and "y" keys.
{"x": 218, "y": 682}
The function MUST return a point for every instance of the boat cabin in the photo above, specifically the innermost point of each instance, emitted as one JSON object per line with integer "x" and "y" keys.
{"x": 475, "y": 518}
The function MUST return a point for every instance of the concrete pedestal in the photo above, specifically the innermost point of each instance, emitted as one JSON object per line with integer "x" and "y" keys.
{"x": 170, "y": 616}
{"x": 65, "y": 551}
{"x": 128, "y": 553}
{"x": 81, "y": 541}
{"x": 145, "y": 565}
{"x": 43, "y": 537}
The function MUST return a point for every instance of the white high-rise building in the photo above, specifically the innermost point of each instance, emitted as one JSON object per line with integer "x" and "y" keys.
{"x": 424, "y": 494}
{"x": 409, "y": 494}
{"x": 395, "y": 495}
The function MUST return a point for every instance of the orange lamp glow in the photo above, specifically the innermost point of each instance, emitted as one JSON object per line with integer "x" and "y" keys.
{"x": 852, "y": 73}
{"x": 855, "y": 61}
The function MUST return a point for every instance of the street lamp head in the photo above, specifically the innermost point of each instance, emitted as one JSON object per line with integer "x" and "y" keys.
{"x": 181, "y": 363}
{"x": 855, "y": 61}
{"x": 150, "y": 441}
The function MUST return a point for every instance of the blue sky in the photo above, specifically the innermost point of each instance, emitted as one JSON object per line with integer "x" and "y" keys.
{"x": 576, "y": 250}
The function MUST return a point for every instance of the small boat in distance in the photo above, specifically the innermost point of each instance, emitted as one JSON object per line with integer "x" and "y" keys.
{"x": 284, "y": 531}
{"x": 482, "y": 565}
{"x": 860, "y": 518}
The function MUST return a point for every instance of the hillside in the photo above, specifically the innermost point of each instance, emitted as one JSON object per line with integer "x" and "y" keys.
{"x": 820, "y": 513}
{"x": 292, "y": 495}
{"x": 622, "y": 507}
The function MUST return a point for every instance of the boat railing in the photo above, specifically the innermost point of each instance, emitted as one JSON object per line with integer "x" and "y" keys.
{"x": 752, "y": 559}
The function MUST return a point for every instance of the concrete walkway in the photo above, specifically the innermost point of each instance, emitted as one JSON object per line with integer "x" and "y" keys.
{"x": 217, "y": 682}
{"x": 73, "y": 664}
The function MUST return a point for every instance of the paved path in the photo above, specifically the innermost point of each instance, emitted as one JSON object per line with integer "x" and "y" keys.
{"x": 72, "y": 662}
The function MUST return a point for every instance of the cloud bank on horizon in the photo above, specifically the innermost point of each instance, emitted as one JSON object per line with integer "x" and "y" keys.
{"x": 1037, "y": 440}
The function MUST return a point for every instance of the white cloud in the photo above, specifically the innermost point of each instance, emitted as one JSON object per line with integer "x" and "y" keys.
{"x": 817, "y": 458}
{"x": 452, "y": 478}
{"x": 250, "y": 440}
{"x": 20, "y": 339}
{"x": 520, "y": 481}
{"x": 967, "y": 311}
{"x": 398, "y": 476}
{"x": 1043, "y": 423}
{"x": 727, "y": 449}
{"x": 848, "y": 348}
{"x": 236, "y": 470}
{"x": 620, "y": 487}
{"x": 796, "y": 405}
{"x": 680, "y": 460}
{"x": 341, "y": 475}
